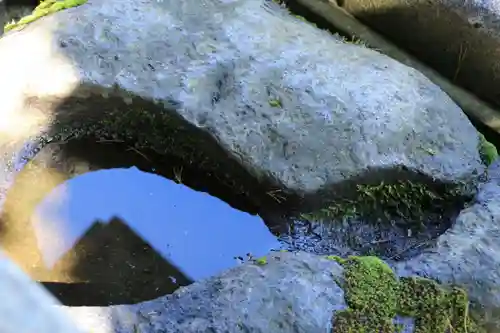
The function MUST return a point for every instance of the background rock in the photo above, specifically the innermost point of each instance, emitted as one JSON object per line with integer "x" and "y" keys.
{"x": 292, "y": 292}
{"x": 458, "y": 38}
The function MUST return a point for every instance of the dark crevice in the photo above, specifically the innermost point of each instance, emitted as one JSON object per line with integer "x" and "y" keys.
{"x": 298, "y": 9}
{"x": 384, "y": 226}
{"x": 26, "y": 3}
{"x": 444, "y": 42}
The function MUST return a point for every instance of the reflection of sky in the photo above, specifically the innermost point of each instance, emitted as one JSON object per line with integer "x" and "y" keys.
{"x": 198, "y": 233}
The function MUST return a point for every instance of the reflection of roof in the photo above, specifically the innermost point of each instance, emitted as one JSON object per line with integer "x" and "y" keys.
{"x": 112, "y": 257}
{"x": 107, "y": 248}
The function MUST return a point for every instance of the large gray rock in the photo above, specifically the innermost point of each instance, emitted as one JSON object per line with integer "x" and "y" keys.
{"x": 290, "y": 103}
{"x": 458, "y": 38}
{"x": 292, "y": 292}
{"x": 468, "y": 253}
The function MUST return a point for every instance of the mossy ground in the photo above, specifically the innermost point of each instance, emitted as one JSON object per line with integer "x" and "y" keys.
{"x": 44, "y": 8}
{"x": 374, "y": 296}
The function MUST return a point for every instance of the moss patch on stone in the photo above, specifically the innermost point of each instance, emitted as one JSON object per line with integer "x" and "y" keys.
{"x": 44, "y": 8}
{"x": 275, "y": 103}
{"x": 374, "y": 296}
{"x": 434, "y": 307}
{"x": 487, "y": 150}
{"x": 404, "y": 199}
{"x": 261, "y": 261}
{"x": 366, "y": 311}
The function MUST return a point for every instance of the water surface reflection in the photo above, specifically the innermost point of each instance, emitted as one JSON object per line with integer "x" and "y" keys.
{"x": 197, "y": 234}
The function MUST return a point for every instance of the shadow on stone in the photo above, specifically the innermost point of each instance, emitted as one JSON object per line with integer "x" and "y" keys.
{"x": 155, "y": 130}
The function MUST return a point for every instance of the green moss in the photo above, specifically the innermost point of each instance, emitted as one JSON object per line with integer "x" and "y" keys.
{"x": 403, "y": 199}
{"x": 275, "y": 103}
{"x": 374, "y": 296}
{"x": 44, "y": 8}
{"x": 336, "y": 258}
{"x": 368, "y": 281}
{"x": 261, "y": 261}
{"x": 487, "y": 150}
{"x": 434, "y": 306}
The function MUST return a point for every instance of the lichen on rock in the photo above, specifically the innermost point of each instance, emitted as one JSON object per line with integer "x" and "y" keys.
{"x": 375, "y": 295}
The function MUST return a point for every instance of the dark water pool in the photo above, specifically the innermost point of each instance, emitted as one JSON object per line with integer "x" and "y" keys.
{"x": 111, "y": 235}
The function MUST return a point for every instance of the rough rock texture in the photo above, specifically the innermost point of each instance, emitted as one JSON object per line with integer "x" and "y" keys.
{"x": 289, "y": 102}
{"x": 292, "y": 292}
{"x": 459, "y": 38}
{"x": 468, "y": 253}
